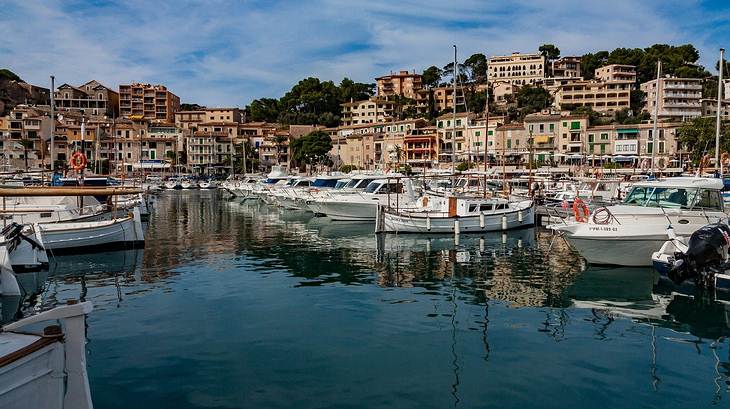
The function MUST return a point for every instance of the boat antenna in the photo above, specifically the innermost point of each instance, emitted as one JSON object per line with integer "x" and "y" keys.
{"x": 453, "y": 117}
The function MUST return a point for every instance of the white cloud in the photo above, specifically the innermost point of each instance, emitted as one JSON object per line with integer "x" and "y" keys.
{"x": 227, "y": 53}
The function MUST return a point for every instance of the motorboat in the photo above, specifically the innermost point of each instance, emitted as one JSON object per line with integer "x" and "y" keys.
{"x": 435, "y": 214}
{"x": 362, "y": 206}
{"x": 628, "y": 233}
{"x": 207, "y": 184}
{"x": 173, "y": 184}
{"x": 702, "y": 260}
{"x": 46, "y": 369}
{"x": 21, "y": 248}
{"x": 324, "y": 202}
{"x": 91, "y": 236}
{"x": 186, "y": 184}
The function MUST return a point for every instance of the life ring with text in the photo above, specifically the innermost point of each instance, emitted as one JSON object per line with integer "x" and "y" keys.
{"x": 661, "y": 163}
{"x": 645, "y": 165}
{"x": 78, "y": 161}
{"x": 580, "y": 210}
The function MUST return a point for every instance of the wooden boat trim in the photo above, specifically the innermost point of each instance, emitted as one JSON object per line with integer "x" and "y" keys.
{"x": 37, "y": 345}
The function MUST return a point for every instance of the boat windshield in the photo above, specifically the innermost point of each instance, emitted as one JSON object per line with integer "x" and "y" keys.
{"x": 363, "y": 183}
{"x": 674, "y": 197}
{"x": 353, "y": 182}
{"x": 324, "y": 183}
{"x": 341, "y": 184}
{"x": 372, "y": 187}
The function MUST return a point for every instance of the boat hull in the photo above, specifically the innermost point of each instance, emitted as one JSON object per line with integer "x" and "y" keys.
{"x": 412, "y": 223}
{"x": 93, "y": 236}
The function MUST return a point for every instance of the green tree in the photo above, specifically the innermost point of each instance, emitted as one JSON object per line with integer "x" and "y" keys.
{"x": 589, "y": 62}
{"x": 312, "y": 148}
{"x": 532, "y": 99}
{"x": 698, "y": 136}
{"x": 355, "y": 91}
{"x": 9, "y": 75}
{"x": 477, "y": 67}
{"x": 431, "y": 76}
{"x": 264, "y": 110}
{"x": 551, "y": 53}
{"x": 191, "y": 107}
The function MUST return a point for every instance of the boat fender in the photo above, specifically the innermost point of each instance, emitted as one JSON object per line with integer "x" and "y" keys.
{"x": 424, "y": 201}
{"x": 481, "y": 220}
{"x": 580, "y": 210}
{"x": 504, "y": 222}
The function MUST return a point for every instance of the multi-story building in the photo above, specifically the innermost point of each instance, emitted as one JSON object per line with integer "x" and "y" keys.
{"x": 544, "y": 129}
{"x": 709, "y": 107}
{"x": 601, "y": 96}
{"x": 566, "y": 67}
{"x": 519, "y": 69}
{"x": 443, "y": 99}
{"x": 616, "y": 72}
{"x": 92, "y": 99}
{"x": 504, "y": 92}
{"x": 24, "y": 132}
{"x": 420, "y": 147}
{"x": 573, "y": 137}
{"x": 152, "y": 102}
{"x": 369, "y": 111}
{"x": 633, "y": 143}
{"x": 404, "y": 83}
{"x": 679, "y": 98}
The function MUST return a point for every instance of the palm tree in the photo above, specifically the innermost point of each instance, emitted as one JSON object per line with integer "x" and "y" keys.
{"x": 27, "y": 144}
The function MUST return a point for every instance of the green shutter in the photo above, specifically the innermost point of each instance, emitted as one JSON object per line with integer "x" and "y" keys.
{"x": 575, "y": 125}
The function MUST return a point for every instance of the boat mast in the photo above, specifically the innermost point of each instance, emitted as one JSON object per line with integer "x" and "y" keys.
{"x": 719, "y": 110}
{"x": 453, "y": 132}
{"x": 656, "y": 114}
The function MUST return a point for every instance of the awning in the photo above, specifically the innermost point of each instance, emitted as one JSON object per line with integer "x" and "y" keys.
{"x": 622, "y": 131}
{"x": 542, "y": 139}
{"x": 151, "y": 166}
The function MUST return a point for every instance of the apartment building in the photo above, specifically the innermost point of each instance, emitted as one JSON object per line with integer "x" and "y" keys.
{"x": 92, "y": 99}
{"x": 518, "y": 69}
{"x": 443, "y": 98}
{"x": 210, "y": 144}
{"x": 369, "y": 111}
{"x": 633, "y": 143}
{"x": 573, "y": 137}
{"x": 403, "y": 83}
{"x": 24, "y": 132}
{"x": 709, "y": 107}
{"x": 679, "y": 98}
{"x": 544, "y": 129}
{"x": 567, "y": 67}
{"x": 420, "y": 147}
{"x": 504, "y": 92}
{"x": 145, "y": 101}
{"x": 601, "y": 96}
{"x": 616, "y": 72}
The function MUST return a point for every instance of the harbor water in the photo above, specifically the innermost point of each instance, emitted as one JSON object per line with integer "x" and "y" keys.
{"x": 237, "y": 304}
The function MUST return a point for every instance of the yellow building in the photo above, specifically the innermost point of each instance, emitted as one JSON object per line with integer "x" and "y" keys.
{"x": 402, "y": 83}
{"x": 517, "y": 68}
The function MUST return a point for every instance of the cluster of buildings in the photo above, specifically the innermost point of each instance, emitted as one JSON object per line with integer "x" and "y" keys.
{"x": 140, "y": 127}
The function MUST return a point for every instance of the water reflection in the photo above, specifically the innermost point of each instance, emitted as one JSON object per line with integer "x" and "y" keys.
{"x": 525, "y": 285}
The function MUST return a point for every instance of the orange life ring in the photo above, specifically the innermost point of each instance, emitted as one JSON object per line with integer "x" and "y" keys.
{"x": 580, "y": 210}
{"x": 78, "y": 161}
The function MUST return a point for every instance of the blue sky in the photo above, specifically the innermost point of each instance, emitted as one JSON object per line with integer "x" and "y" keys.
{"x": 226, "y": 53}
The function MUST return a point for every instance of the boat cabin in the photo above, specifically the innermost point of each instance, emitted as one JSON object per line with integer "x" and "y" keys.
{"x": 678, "y": 193}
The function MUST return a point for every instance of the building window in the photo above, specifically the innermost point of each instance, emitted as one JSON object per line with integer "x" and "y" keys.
{"x": 552, "y": 127}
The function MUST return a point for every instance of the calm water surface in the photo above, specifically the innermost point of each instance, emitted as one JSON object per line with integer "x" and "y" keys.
{"x": 240, "y": 305}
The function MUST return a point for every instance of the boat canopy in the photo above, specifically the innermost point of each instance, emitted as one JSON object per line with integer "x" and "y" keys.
{"x": 684, "y": 182}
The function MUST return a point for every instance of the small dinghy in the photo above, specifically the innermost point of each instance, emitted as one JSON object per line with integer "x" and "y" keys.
{"x": 703, "y": 260}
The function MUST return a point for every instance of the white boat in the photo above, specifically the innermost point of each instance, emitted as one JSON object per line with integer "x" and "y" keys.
{"x": 457, "y": 215}
{"x": 126, "y": 231}
{"x": 46, "y": 369}
{"x": 207, "y": 184}
{"x": 20, "y": 246}
{"x": 628, "y": 234}
{"x": 173, "y": 184}
{"x": 186, "y": 184}
{"x": 363, "y": 206}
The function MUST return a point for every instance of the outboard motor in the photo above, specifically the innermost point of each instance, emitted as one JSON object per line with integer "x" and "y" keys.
{"x": 707, "y": 253}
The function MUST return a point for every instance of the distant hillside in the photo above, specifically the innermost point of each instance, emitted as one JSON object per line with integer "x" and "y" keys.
{"x": 14, "y": 91}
